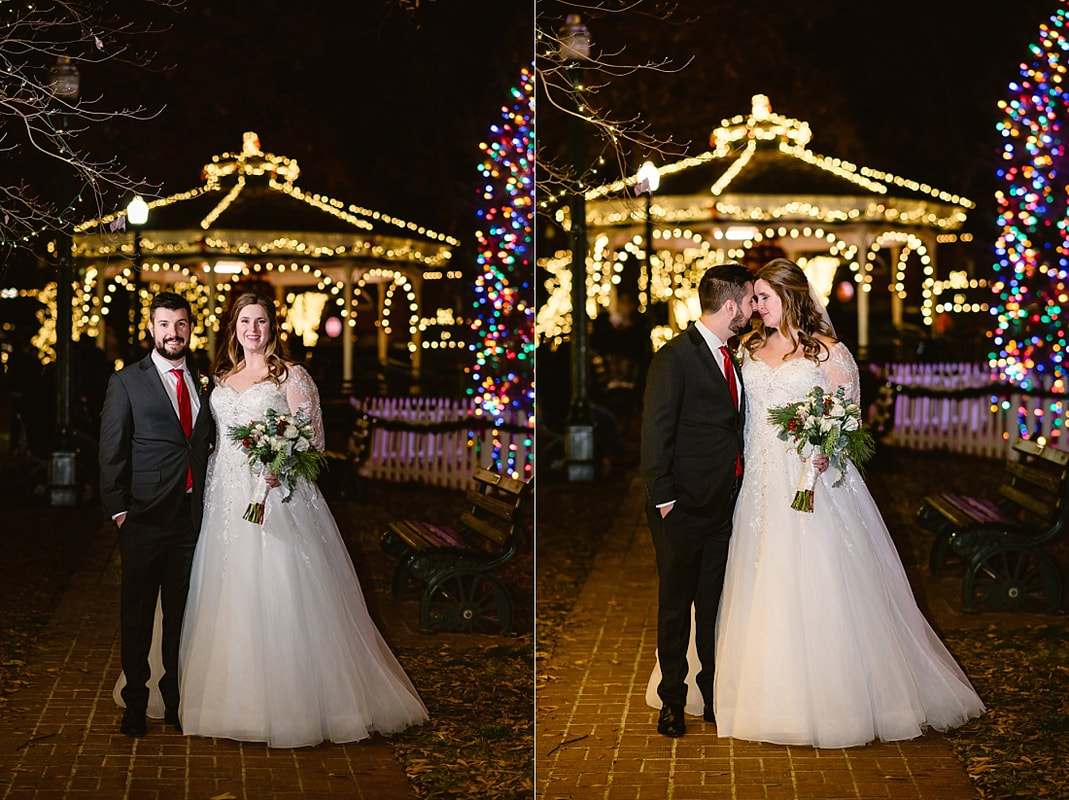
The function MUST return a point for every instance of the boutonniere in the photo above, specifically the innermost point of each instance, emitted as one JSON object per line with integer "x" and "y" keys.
{"x": 735, "y": 351}
{"x": 205, "y": 382}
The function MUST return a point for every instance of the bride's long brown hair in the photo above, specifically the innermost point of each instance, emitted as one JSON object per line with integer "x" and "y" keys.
{"x": 799, "y": 317}
{"x": 231, "y": 357}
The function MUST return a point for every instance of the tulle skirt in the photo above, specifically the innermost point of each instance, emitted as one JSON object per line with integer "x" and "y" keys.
{"x": 819, "y": 638}
{"x": 277, "y": 644}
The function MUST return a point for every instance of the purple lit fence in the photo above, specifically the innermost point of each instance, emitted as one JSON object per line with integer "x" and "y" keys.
{"x": 975, "y": 425}
{"x": 443, "y": 456}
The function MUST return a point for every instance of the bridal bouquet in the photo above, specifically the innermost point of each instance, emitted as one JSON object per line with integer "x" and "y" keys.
{"x": 826, "y": 424}
{"x": 281, "y": 445}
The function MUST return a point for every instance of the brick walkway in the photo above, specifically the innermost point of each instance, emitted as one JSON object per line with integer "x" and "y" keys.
{"x": 597, "y": 738}
{"x": 61, "y": 737}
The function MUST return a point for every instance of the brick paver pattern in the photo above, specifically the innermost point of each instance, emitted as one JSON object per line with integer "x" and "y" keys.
{"x": 60, "y": 737}
{"x": 596, "y": 738}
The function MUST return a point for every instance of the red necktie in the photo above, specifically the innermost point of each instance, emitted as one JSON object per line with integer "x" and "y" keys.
{"x": 185, "y": 416}
{"x": 729, "y": 373}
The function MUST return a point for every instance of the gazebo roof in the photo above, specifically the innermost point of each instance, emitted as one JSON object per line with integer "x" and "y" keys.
{"x": 250, "y": 202}
{"x": 758, "y": 169}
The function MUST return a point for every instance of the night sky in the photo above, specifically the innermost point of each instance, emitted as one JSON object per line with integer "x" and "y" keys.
{"x": 909, "y": 87}
{"x": 381, "y": 107}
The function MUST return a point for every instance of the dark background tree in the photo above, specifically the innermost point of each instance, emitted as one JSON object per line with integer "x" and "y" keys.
{"x": 909, "y": 87}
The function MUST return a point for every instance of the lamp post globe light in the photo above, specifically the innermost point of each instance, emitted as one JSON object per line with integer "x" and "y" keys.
{"x": 136, "y": 216}
{"x": 579, "y": 431}
{"x": 649, "y": 179}
{"x": 64, "y": 84}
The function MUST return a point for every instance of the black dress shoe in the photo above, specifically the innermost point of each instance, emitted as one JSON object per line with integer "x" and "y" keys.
{"x": 671, "y": 722}
{"x": 708, "y": 715}
{"x": 133, "y": 723}
{"x": 170, "y": 717}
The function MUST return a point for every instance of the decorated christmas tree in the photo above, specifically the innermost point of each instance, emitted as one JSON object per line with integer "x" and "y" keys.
{"x": 1032, "y": 248}
{"x": 502, "y": 376}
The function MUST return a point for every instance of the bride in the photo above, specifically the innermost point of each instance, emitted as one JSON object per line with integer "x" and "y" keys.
{"x": 819, "y": 639}
{"x": 277, "y": 645}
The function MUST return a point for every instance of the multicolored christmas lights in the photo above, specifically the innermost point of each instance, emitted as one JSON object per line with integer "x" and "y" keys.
{"x": 502, "y": 376}
{"x": 1032, "y": 249}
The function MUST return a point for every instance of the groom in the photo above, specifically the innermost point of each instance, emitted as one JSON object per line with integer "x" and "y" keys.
{"x": 692, "y": 437}
{"x": 155, "y": 431}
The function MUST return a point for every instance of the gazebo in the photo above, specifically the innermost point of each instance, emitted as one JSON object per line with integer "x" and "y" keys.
{"x": 757, "y": 189}
{"x": 327, "y": 261}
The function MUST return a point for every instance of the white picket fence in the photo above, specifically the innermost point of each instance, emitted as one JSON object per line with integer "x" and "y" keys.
{"x": 972, "y": 425}
{"x": 446, "y": 458}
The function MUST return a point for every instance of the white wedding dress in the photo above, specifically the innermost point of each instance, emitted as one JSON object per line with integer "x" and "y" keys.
{"x": 277, "y": 644}
{"x": 819, "y": 638}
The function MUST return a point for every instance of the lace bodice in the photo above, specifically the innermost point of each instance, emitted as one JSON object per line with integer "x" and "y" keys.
{"x": 297, "y": 392}
{"x": 771, "y": 386}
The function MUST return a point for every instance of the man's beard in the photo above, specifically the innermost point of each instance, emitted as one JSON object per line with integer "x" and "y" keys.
{"x": 740, "y": 324}
{"x": 183, "y": 350}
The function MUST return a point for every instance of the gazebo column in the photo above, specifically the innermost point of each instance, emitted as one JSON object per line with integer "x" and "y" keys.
{"x": 213, "y": 309}
{"x": 896, "y": 297}
{"x": 383, "y": 337}
{"x": 348, "y": 328}
{"x": 417, "y": 334}
{"x": 864, "y": 285}
{"x": 99, "y": 284}
{"x": 931, "y": 243}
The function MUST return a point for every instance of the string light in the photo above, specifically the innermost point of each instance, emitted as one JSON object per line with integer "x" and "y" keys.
{"x": 279, "y": 174}
{"x": 502, "y": 382}
{"x": 726, "y": 219}
{"x": 1032, "y": 249}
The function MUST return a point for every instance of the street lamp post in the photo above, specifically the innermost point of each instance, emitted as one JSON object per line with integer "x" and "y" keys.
{"x": 63, "y": 488}
{"x": 649, "y": 179}
{"x": 579, "y": 432}
{"x": 137, "y": 216}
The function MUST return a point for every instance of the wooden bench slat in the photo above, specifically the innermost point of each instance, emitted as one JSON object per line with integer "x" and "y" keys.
{"x": 1044, "y": 480}
{"x": 494, "y": 506}
{"x": 503, "y": 482}
{"x": 423, "y": 535}
{"x": 1051, "y": 454}
{"x": 1045, "y": 510}
{"x": 965, "y": 511}
{"x": 485, "y": 528}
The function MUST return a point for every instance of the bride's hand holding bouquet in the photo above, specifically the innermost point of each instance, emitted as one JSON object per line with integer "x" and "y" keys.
{"x": 823, "y": 424}
{"x": 279, "y": 448}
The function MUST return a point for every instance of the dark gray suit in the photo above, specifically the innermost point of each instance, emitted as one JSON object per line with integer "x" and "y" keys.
{"x": 691, "y": 437}
{"x": 144, "y": 459}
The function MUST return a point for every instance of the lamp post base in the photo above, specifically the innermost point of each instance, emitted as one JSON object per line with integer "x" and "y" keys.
{"x": 579, "y": 452}
{"x": 62, "y": 485}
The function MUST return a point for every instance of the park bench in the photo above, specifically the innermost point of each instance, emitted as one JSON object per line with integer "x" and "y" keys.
{"x": 453, "y": 564}
{"x": 998, "y": 542}
{"x": 342, "y": 477}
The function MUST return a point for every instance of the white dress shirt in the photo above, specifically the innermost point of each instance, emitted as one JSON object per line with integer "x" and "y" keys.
{"x": 171, "y": 385}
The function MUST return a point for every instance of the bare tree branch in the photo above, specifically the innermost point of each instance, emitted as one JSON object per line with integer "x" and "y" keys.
{"x": 41, "y": 118}
{"x": 571, "y": 89}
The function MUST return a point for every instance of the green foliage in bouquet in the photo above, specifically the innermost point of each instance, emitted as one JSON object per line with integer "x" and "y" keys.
{"x": 282, "y": 445}
{"x": 827, "y": 423}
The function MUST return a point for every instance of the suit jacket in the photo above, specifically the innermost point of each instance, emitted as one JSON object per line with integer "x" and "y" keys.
{"x": 144, "y": 454}
{"x": 691, "y": 432}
